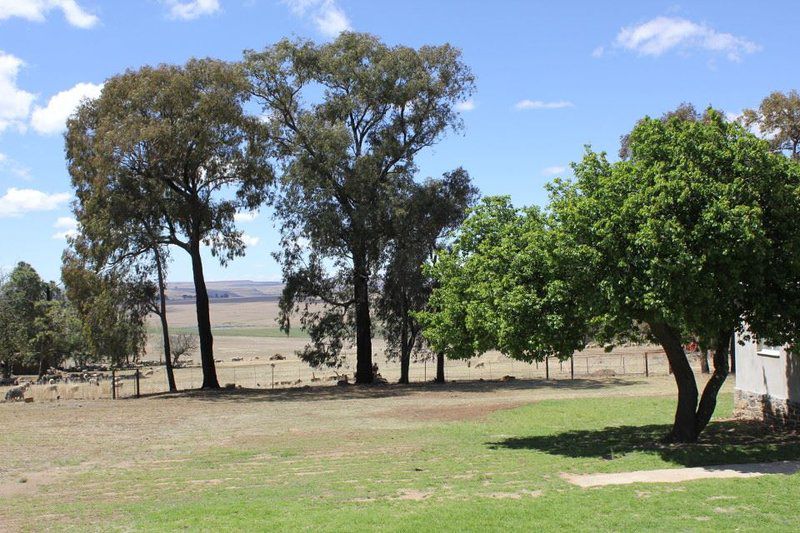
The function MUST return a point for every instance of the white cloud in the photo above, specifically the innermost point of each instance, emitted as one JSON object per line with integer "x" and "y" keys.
{"x": 36, "y": 11}
{"x": 539, "y": 104}
{"x": 552, "y": 171}
{"x": 599, "y": 51}
{"x": 67, "y": 226}
{"x": 53, "y": 117}
{"x": 246, "y": 216}
{"x": 15, "y": 103}
{"x": 249, "y": 240}
{"x": 466, "y": 105}
{"x": 17, "y": 202}
{"x": 662, "y": 34}
{"x": 327, "y": 16}
{"x": 191, "y": 9}
{"x": 9, "y": 165}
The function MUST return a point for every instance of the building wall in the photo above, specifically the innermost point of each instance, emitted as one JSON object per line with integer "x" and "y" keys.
{"x": 767, "y": 385}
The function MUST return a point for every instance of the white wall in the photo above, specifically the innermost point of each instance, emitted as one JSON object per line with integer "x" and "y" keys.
{"x": 776, "y": 376}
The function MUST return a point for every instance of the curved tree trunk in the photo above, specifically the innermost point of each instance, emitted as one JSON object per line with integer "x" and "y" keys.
{"x": 203, "y": 319}
{"x": 440, "y": 367}
{"x": 164, "y": 326}
{"x": 684, "y": 428}
{"x": 363, "y": 322}
{"x": 708, "y": 401}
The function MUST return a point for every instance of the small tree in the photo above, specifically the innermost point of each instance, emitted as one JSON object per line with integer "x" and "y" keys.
{"x": 423, "y": 218}
{"x": 113, "y": 310}
{"x": 182, "y": 344}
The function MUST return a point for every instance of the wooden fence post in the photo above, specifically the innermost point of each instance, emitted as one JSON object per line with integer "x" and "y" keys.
{"x": 138, "y": 390}
{"x": 113, "y": 384}
{"x": 646, "y": 366}
{"x": 571, "y": 367}
{"x": 547, "y": 368}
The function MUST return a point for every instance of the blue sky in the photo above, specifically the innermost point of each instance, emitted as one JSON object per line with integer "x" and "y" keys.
{"x": 551, "y": 78}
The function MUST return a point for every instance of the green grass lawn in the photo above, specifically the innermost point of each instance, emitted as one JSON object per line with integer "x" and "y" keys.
{"x": 499, "y": 473}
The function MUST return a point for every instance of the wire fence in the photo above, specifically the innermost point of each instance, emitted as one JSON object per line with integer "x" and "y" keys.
{"x": 289, "y": 373}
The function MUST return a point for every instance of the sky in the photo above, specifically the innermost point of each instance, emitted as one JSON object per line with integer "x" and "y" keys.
{"x": 551, "y": 78}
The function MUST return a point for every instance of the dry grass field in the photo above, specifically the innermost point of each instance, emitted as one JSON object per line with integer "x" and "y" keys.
{"x": 467, "y": 456}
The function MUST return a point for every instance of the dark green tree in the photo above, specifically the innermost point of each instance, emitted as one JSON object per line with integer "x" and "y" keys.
{"x": 423, "y": 218}
{"x": 348, "y": 119}
{"x": 113, "y": 309}
{"x": 168, "y": 154}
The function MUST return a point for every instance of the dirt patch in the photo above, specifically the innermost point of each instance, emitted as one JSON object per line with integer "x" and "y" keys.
{"x": 414, "y": 495}
{"x": 677, "y": 475}
{"x": 448, "y": 413}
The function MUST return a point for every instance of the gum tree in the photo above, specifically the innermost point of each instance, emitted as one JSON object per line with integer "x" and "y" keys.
{"x": 348, "y": 118}
{"x": 170, "y": 149}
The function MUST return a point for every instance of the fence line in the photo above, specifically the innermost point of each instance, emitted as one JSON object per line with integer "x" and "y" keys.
{"x": 288, "y": 373}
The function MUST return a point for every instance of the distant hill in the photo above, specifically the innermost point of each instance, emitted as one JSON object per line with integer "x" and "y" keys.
{"x": 224, "y": 290}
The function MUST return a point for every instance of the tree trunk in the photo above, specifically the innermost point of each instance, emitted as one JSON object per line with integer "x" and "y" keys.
{"x": 733, "y": 354}
{"x": 440, "y": 367}
{"x": 203, "y": 319}
{"x": 708, "y": 401}
{"x": 405, "y": 354}
{"x": 684, "y": 428}
{"x": 363, "y": 323}
{"x": 164, "y": 326}
{"x": 704, "y": 368}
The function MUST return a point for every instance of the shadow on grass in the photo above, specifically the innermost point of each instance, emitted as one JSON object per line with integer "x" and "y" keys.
{"x": 356, "y": 392}
{"x": 723, "y": 442}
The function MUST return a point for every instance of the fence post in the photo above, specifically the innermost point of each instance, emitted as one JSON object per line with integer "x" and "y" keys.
{"x": 113, "y": 384}
{"x": 646, "y": 366}
{"x": 546, "y": 368}
{"x": 273, "y": 374}
{"x": 138, "y": 390}
{"x": 571, "y": 367}
{"x": 623, "y": 363}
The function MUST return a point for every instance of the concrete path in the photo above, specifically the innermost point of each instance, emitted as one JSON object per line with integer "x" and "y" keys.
{"x": 676, "y": 475}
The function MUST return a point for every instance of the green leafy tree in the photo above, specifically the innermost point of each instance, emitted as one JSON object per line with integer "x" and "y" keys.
{"x": 682, "y": 238}
{"x": 170, "y": 150}
{"x": 348, "y": 119}
{"x": 112, "y": 308}
{"x": 778, "y": 118}
{"x": 685, "y": 235}
{"x": 423, "y": 218}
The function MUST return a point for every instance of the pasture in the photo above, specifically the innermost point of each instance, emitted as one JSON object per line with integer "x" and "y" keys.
{"x": 464, "y": 456}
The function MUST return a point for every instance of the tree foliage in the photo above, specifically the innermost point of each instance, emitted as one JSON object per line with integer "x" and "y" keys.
{"x": 348, "y": 119}
{"x": 778, "y": 118}
{"x": 683, "y": 237}
{"x": 165, "y": 157}
{"x": 39, "y": 328}
{"x": 425, "y": 216}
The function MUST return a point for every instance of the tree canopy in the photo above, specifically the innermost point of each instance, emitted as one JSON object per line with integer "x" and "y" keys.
{"x": 683, "y": 237}
{"x": 165, "y": 157}
{"x": 348, "y": 119}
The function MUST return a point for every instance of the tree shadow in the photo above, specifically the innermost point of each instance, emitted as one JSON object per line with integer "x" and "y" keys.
{"x": 722, "y": 443}
{"x": 358, "y": 392}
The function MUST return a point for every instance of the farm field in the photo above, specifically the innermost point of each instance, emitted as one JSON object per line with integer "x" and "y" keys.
{"x": 465, "y": 456}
